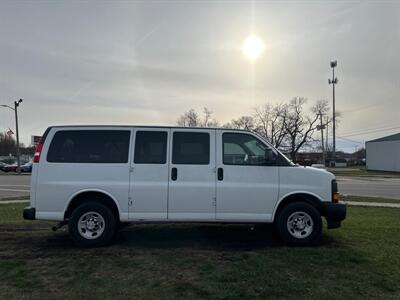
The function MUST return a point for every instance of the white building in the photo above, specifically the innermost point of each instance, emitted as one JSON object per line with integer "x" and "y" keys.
{"x": 384, "y": 153}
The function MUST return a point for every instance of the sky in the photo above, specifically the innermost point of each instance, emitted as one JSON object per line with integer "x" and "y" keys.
{"x": 147, "y": 62}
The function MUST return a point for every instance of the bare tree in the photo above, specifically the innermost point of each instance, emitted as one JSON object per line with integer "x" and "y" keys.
{"x": 208, "y": 120}
{"x": 189, "y": 119}
{"x": 269, "y": 122}
{"x": 298, "y": 125}
{"x": 7, "y": 144}
{"x": 192, "y": 119}
{"x": 244, "y": 122}
{"x": 286, "y": 126}
{"x": 322, "y": 107}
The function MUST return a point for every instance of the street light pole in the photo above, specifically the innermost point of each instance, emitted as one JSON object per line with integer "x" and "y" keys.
{"x": 15, "y": 109}
{"x": 334, "y": 81}
{"x": 16, "y": 104}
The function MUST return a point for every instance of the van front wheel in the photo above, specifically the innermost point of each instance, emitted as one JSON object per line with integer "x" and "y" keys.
{"x": 92, "y": 225}
{"x": 299, "y": 224}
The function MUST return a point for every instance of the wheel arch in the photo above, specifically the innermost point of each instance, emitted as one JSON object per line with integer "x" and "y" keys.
{"x": 306, "y": 197}
{"x": 95, "y": 195}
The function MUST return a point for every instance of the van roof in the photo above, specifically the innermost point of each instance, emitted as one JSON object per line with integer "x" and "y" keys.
{"x": 148, "y": 126}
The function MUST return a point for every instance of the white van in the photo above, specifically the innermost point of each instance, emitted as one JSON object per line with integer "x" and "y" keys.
{"x": 96, "y": 177}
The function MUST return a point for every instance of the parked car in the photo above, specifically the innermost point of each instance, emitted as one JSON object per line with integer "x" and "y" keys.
{"x": 2, "y": 165}
{"x": 10, "y": 168}
{"x": 318, "y": 166}
{"x": 27, "y": 168}
{"x": 94, "y": 177}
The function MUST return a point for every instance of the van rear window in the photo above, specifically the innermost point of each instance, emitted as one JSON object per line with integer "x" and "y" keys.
{"x": 89, "y": 146}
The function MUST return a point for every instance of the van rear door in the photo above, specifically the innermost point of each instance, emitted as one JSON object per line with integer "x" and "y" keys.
{"x": 79, "y": 159}
{"x": 35, "y": 167}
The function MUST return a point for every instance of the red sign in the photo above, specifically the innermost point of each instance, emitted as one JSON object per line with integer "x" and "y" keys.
{"x": 35, "y": 140}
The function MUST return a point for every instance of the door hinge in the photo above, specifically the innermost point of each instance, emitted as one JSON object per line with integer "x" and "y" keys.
{"x": 130, "y": 201}
{"x": 131, "y": 169}
{"x": 214, "y": 170}
{"x": 214, "y": 201}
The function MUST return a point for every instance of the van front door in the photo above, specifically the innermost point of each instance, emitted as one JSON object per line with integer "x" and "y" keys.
{"x": 248, "y": 178}
{"x": 149, "y": 175}
{"x": 192, "y": 178}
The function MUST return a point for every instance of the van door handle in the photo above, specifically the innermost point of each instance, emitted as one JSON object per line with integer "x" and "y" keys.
{"x": 220, "y": 174}
{"x": 174, "y": 174}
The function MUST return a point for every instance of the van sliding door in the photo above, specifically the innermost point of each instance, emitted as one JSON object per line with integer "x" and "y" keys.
{"x": 192, "y": 175}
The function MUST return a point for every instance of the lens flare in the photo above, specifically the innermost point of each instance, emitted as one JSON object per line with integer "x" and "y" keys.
{"x": 253, "y": 47}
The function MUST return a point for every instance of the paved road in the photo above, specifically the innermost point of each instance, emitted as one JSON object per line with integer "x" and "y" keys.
{"x": 370, "y": 186}
{"x": 12, "y": 186}
{"x": 15, "y": 186}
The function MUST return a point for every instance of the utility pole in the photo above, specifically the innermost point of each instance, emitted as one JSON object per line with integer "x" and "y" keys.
{"x": 327, "y": 129}
{"x": 334, "y": 81}
{"x": 321, "y": 127}
{"x": 15, "y": 109}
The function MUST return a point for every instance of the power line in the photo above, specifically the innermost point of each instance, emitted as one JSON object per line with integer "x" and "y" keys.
{"x": 366, "y": 130}
{"x": 367, "y": 106}
{"x": 371, "y": 131}
{"x": 350, "y": 140}
{"x": 363, "y": 130}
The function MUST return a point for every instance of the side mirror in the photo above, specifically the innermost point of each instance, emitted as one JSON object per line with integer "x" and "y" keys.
{"x": 270, "y": 157}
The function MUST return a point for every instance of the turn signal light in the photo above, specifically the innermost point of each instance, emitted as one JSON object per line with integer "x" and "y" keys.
{"x": 336, "y": 197}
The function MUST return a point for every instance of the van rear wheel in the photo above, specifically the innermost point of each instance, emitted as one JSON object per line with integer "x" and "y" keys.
{"x": 92, "y": 225}
{"x": 299, "y": 224}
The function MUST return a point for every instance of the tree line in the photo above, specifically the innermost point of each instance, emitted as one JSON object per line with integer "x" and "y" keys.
{"x": 287, "y": 126}
{"x": 8, "y": 145}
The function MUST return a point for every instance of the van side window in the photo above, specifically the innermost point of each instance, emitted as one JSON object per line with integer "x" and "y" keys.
{"x": 245, "y": 149}
{"x": 151, "y": 147}
{"x": 89, "y": 146}
{"x": 191, "y": 148}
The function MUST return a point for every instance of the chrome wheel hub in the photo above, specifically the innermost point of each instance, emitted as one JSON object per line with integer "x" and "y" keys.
{"x": 91, "y": 225}
{"x": 300, "y": 224}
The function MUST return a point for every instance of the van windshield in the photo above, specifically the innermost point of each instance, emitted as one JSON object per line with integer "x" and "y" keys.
{"x": 282, "y": 157}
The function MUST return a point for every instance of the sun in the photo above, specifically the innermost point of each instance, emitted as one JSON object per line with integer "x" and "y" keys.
{"x": 253, "y": 47}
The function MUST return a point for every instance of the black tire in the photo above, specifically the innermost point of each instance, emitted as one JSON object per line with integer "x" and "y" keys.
{"x": 310, "y": 237}
{"x": 109, "y": 225}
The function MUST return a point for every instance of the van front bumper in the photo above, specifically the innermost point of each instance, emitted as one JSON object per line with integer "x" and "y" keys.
{"x": 29, "y": 213}
{"x": 334, "y": 213}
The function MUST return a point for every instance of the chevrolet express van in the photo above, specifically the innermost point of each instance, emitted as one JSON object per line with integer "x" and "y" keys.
{"x": 95, "y": 177}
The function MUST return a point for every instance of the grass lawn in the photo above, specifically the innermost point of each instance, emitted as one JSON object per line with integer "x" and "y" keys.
{"x": 362, "y": 172}
{"x": 370, "y": 199}
{"x": 359, "y": 261}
